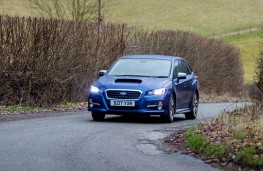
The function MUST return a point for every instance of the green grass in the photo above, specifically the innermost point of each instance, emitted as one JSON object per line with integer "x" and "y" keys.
{"x": 235, "y": 137}
{"x": 202, "y": 16}
{"x": 28, "y": 109}
{"x": 206, "y": 17}
{"x": 201, "y": 143}
{"x": 15, "y": 7}
{"x": 247, "y": 156}
{"x": 249, "y": 48}
{"x": 19, "y": 109}
{"x": 195, "y": 141}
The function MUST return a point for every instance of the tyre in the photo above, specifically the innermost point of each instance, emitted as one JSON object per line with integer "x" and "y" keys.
{"x": 193, "y": 107}
{"x": 97, "y": 116}
{"x": 169, "y": 115}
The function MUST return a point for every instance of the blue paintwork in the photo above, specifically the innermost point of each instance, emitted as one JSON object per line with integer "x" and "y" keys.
{"x": 183, "y": 90}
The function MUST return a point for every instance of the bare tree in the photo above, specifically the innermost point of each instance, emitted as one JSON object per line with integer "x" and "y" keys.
{"x": 66, "y": 9}
{"x": 258, "y": 78}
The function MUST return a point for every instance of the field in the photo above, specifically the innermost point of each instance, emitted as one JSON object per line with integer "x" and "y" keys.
{"x": 249, "y": 48}
{"x": 206, "y": 17}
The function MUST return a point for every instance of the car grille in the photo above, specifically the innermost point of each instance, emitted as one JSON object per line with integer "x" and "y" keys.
{"x": 123, "y": 94}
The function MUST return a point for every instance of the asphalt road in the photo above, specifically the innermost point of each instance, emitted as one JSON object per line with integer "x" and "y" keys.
{"x": 76, "y": 142}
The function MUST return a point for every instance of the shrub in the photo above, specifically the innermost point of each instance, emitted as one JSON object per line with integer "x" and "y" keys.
{"x": 248, "y": 157}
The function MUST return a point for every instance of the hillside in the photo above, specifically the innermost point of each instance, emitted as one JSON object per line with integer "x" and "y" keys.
{"x": 206, "y": 17}
{"x": 249, "y": 48}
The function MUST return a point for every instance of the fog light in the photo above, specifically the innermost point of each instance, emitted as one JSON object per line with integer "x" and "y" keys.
{"x": 160, "y": 107}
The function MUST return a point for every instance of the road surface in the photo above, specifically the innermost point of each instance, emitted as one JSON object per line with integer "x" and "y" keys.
{"x": 76, "y": 142}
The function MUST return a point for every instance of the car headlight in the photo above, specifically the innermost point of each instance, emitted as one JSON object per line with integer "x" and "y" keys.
{"x": 94, "y": 89}
{"x": 160, "y": 91}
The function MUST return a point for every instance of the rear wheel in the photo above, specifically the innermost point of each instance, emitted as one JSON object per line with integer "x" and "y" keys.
{"x": 97, "y": 116}
{"x": 169, "y": 116}
{"x": 194, "y": 108}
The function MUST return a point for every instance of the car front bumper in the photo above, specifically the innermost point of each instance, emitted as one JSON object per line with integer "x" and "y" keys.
{"x": 146, "y": 105}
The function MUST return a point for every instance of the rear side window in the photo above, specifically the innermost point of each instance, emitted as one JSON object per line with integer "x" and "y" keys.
{"x": 183, "y": 67}
{"x": 176, "y": 69}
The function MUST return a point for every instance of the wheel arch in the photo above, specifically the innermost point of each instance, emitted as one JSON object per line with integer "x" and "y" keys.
{"x": 197, "y": 93}
{"x": 175, "y": 101}
{"x": 196, "y": 89}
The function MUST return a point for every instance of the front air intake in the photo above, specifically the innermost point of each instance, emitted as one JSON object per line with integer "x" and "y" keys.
{"x": 136, "y": 81}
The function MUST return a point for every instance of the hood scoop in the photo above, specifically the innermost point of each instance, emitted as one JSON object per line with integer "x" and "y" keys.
{"x": 136, "y": 81}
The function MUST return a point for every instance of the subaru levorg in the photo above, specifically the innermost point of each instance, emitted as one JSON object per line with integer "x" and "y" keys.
{"x": 146, "y": 85}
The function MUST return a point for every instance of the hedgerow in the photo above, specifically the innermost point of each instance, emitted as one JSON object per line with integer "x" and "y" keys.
{"x": 49, "y": 61}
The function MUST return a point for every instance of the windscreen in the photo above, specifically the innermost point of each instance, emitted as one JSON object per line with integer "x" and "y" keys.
{"x": 141, "y": 67}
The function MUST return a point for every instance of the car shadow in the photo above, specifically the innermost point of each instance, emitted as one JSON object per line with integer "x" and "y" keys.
{"x": 140, "y": 119}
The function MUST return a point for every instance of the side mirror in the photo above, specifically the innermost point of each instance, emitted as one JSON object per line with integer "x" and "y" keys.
{"x": 102, "y": 72}
{"x": 181, "y": 76}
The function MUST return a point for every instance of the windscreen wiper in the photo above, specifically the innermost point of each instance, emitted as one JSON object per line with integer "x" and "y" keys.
{"x": 132, "y": 76}
{"x": 159, "y": 76}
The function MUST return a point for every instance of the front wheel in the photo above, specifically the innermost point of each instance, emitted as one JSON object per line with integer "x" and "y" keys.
{"x": 97, "y": 116}
{"x": 194, "y": 108}
{"x": 169, "y": 116}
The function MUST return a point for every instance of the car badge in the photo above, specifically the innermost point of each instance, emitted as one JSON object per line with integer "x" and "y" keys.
{"x": 123, "y": 93}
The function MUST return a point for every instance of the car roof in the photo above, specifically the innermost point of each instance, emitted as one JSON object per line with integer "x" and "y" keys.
{"x": 150, "y": 57}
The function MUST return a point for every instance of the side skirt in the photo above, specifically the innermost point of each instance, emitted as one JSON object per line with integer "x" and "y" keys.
{"x": 181, "y": 111}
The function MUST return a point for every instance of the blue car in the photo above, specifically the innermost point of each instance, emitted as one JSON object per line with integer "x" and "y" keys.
{"x": 146, "y": 85}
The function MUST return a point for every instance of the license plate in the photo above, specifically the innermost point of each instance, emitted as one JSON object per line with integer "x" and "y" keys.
{"x": 122, "y": 103}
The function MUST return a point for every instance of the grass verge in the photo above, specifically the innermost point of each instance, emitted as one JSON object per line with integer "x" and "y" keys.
{"x": 64, "y": 107}
{"x": 235, "y": 137}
